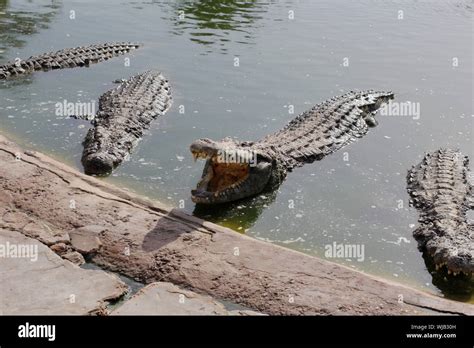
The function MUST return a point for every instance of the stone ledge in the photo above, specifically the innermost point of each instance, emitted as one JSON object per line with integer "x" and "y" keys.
{"x": 156, "y": 243}
{"x": 167, "y": 299}
{"x": 44, "y": 284}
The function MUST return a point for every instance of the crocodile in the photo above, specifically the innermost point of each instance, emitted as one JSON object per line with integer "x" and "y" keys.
{"x": 81, "y": 56}
{"x": 440, "y": 190}
{"x": 235, "y": 170}
{"x": 124, "y": 114}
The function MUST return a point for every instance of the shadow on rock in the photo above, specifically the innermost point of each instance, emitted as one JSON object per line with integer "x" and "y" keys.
{"x": 165, "y": 232}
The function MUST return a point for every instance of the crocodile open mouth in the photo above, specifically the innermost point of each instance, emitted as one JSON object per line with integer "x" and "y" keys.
{"x": 219, "y": 179}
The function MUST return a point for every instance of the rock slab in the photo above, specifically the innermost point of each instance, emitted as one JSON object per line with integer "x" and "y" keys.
{"x": 164, "y": 298}
{"x": 36, "y": 281}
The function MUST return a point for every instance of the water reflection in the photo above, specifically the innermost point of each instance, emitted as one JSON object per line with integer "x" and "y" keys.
{"x": 240, "y": 215}
{"x": 217, "y": 22}
{"x": 22, "y": 19}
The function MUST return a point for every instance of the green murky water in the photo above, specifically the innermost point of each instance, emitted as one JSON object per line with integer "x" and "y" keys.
{"x": 419, "y": 49}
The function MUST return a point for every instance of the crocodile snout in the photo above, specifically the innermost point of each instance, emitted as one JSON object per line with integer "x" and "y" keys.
{"x": 98, "y": 164}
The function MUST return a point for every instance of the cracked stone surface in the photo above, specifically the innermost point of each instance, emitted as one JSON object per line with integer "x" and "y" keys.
{"x": 163, "y": 298}
{"x": 30, "y": 226}
{"x": 85, "y": 240}
{"x": 75, "y": 257}
{"x": 149, "y": 242}
{"x": 48, "y": 285}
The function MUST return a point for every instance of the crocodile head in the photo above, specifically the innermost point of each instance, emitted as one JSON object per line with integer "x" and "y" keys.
{"x": 449, "y": 244}
{"x": 232, "y": 171}
{"x": 100, "y": 163}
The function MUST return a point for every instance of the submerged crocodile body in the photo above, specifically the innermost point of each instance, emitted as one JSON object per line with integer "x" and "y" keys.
{"x": 125, "y": 112}
{"x": 67, "y": 58}
{"x": 311, "y": 136}
{"x": 440, "y": 190}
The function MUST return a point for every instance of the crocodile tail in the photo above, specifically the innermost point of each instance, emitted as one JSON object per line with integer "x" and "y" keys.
{"x": 325, "y": 128}
{"x": 66, "y": 58}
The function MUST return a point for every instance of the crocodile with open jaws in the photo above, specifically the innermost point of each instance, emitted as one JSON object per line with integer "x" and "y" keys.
{"x": 67, "y": 58}
{"x": 440, "y": 190}
{"x": 311, "y": 136}
{"x": 124, "y": 114}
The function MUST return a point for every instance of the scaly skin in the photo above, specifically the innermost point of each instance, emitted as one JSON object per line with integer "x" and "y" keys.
{"x": 311, "y": 136}
{"x": 66, "y": 58}
{"x": 440, "y": 190}
{"x": 125, "y": 112}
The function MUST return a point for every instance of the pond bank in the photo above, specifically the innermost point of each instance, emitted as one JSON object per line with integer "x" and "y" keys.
{"x": 149, "y": 242}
